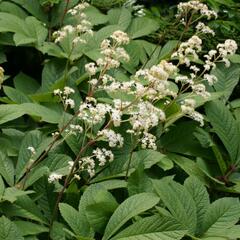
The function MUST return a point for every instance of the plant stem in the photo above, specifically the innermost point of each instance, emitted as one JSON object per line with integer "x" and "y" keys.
{"x": 64, "y": 12}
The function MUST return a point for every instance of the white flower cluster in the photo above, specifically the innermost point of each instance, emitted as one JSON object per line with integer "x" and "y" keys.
{"x": 74, "y": 129}
{"x": 54, "y": 177}
{"x": 148, "y": 141}
{"x": 114, "y": 139}
{"x": 137, "y": 9}
{"x": 202, "y": 28}
{"x": 64, "y": 96}
{"x": 103, "y": 155}
{"x": 87, "y": 163}
{"x": 197, "y": 7}
{"x": 82, "y": 28}
{"x": 78, "y": 9}
{"x": 188, "y": 108}
{"x": 188, "y": 50}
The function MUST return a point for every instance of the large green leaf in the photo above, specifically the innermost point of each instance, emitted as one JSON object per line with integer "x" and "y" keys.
{"x": 100, "y": 209}
{"x": 179, "y": 202}
{"x": 131, "y": 207}
{"x": 227, "y": 78}
{"x": 28, "y": 228}
{"x": 120, "y": 16}
{"x": 141, "y": 27}
{"x": 73, "y": 218}
{"x": 28, "y": 31}
{"x": 32, "y": 139}
{"x": 200, "y": 197}
{"x": 153, "y": 228}
{"x": 225, "y": 127}
{"x": 10, "y": 112}
{"x": 221, "y": 214}
{"x": 9, "y": 230}
{"x": 6, "y": 168}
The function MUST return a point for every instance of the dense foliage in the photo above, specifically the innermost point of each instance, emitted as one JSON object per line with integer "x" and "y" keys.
{"x": 119, "y": 120}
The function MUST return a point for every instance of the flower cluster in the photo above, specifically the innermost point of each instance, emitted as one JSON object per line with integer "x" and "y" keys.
{"x": 78, "y": 31}
{"x": 137, "y": 9}
{"x": 54, "y": 177}
{"x": 197, "y": 7}
{"x": 102, "y": 155}
{"x": 114, "y": 139}
{"x": 64, "y": 96}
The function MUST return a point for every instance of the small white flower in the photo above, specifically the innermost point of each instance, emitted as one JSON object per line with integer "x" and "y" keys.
{"x": 54, "y": 177}
{"x": 32, "y": 150}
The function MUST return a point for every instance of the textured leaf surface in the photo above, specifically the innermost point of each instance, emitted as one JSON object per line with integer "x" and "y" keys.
{"x": 200, "y": 196}
{"x": 154, "y": 227}
{"x": 9, "y": 230}
{"x": 225, "y": 127}
{"x": 221, "y": 214}
{"x": 129, "y": 208}
{"x": 179, "y": 202}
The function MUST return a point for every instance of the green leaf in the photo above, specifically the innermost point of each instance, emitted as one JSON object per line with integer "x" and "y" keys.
{"x": 200, "y": 197}
{"x": 11, "y": 194}
{"x": 10, "y": 112}
{"x": 6, "y": 168}
{"x": 141, "y": 27}
{"x": 139, "y": 182}
{"x": 120, "y": 16}
{"x": 25, "y": 84}
{"x": 9, "y": 230}
{"x": 15, "y": 95}
{"x": 179, "y": 202}
{"x": 221, "y": 214}
{"x": 152, "y": 228}
{"x": 168, "y": 49}
{"x": 100, "y": 209}
{"x": 26, "y": 31}
{"x": 32, "y": 139}
{"x": 72, "y": 217}
{"x": 47, "y": 196}
{"x": 2, "y": 187}
{"x": 227, "y": 78}
{"x": 28, "y": 228}
{"x": 225, "y": 127}
{"x": 131, "y": 207}
{"x": 95, "y": 16}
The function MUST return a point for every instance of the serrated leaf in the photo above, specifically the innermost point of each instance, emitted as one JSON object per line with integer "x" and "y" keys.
{"x": 6, "y": 168}
{"x": 120, "y": 16}
{"x": 131, "y": 207}
{"x": 100, "y": 209}
{"x": 225, "y": 127}
{"x": 179, "y": 202}
{"x": 72, "y": 217}
{"x": 9, "y": 230}
{"x": 155, "y": 227}
{"x": 221, "y": 214}
{"x": 227, "y": 78}
{"x": 141, "y": 27}
{"x": 200, "y": 197}
{"x": 28, "y": 228}
{"x": 32, "y": 139}
{"x": 139, "y": 182}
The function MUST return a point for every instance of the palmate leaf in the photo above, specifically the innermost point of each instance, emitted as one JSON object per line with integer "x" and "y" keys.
{"x": 152, "y": 228}
{"x": 28, "y": 31}
{"x": 200, "y": 197}
{"x": 221, "y": 214}
{"x": 9, "y": 230}
{"x": 179, "y": 202}
{"x": 227, "y": 78}
{"x": 225, "y": 126}
{"x": 131, "y": 207}
{"x": 73, "y": 218}
{"x": 32, "y": 139}
{"x": 141, "y": 27}
{"x": 9, "y": 112}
